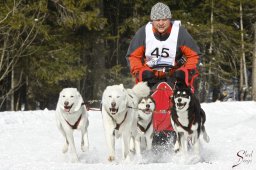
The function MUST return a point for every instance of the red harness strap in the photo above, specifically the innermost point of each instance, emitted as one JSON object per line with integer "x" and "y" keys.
{"x": 189, "y": 80}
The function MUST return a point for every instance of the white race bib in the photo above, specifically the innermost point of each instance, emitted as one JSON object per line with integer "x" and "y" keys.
{"x": 161, "y": 52}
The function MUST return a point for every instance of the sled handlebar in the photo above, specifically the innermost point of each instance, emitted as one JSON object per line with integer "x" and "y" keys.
{"x": 163, "y": 67}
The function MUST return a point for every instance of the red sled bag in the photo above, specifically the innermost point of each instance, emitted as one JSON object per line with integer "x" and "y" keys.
{"x": 162, "y": 113}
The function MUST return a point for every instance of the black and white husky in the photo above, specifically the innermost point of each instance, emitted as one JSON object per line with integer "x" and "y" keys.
{"x": 146, "y": 107}
{"x": 188, "y": 120}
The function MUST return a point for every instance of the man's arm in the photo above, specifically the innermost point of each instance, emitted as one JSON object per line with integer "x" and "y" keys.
{"x": 188, "y": 48}
{"x": 136, "y": 51}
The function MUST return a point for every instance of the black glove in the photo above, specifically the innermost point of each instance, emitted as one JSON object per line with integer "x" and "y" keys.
{"x": 179, "y": 75}
{"x": 181, "y": 61}
{"x": 180, "y": 79}
{"x": 150, "y": 77}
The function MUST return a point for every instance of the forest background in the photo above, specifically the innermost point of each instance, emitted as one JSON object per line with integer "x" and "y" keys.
{"x": 47, "y": 45}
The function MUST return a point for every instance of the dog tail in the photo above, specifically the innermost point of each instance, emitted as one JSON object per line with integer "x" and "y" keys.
{"x": 141, "y": 89}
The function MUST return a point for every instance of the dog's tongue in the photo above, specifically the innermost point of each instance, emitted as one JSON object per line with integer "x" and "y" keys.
{"x": 147, "y": 111}
{"x": 113, "y": 110}
{"x": 67, "y": 108}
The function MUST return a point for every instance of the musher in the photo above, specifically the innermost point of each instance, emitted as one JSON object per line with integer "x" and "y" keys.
{"x": 163, "y": 41}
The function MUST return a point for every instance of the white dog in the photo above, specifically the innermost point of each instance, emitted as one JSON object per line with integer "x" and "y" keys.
{"x": 120, "y": 115}
{"x": 146, "y": 107}
{"x": 71, "y": 114}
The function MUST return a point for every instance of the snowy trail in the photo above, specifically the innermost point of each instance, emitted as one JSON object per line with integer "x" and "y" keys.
{"x": 31, "y": 140}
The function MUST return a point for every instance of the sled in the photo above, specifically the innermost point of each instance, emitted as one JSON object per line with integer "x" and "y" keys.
{"x": 164, "y": 134}
{"x": 163, "y": 130}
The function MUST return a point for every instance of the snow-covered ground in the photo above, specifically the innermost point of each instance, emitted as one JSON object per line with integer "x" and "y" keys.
{"x": 30, "y": 140}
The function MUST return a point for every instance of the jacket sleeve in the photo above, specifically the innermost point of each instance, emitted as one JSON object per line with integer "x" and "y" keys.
{"x": 136, "y": 50}
{"x": 188, "y": 48}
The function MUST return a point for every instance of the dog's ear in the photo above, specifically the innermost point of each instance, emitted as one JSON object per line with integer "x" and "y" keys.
{"x": 123, "y": 89}
{"x": 153, "y": 100}
{"x": 61, "y": 93}
{"x": 59, "y": 99}
{"x": 79, "y": 101}
{"x": 125, "y": 92}
{"x": 121, "y": 85}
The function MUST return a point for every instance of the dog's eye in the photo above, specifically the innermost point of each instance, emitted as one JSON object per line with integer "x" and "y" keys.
{"x": 184, "y": 94}
{"x": 110, "y": 96}
{"x": 63, "y": 96}
{"x": 142, "y": 101}
{"x": 71, "y": 96}
{"x": 117, "y": 96}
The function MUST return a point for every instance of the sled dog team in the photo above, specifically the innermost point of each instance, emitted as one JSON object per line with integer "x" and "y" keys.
{"x": 127, "y": 113}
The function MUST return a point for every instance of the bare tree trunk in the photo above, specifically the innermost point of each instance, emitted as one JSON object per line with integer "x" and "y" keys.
{"x": 13, "y": 48}
{"x": 12, "y": 87}
{"x": 243, "y": 69}
{"x": 254, "y": 67}
{"x": 210, "y": 49}
{"x": 212, "y": 29}
{"x": 118, "y": 33}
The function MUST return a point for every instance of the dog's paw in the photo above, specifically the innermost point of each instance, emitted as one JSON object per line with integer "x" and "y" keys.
{"x": 132, "y": 150}
{"x": 111, "y": 158}
{"x": 176, "y": 150}
{"x": 74, "y": 159}
{"x": 127, "y": 159}
{"x": 84, "y": 147}
{"x": 193, "y": 140}
{"x": 194, "y": 159}
{"x": 176, "y": 147}
{"x": 149, "y": 147}
{"x": 65, "y": 148}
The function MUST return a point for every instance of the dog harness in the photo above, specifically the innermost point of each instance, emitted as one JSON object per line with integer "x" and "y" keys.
{"x": 142, "y": 128}
{"x": 118, "y": 124}
{"x": 78, "y": 120}
{"x": 76, "y": 124}
{"x": 188, "y": 129}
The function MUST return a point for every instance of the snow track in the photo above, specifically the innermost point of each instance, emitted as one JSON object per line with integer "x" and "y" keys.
{"x": 31, "y": 140}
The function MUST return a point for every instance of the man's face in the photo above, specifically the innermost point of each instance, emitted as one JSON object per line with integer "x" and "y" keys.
{"x": 161, "y": 25}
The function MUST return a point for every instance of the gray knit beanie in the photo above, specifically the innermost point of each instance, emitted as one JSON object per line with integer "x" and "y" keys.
{"x": 160, "y": 11}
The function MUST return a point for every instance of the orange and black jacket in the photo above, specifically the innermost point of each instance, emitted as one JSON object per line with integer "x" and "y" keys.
{"x": 186, "y": 47}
